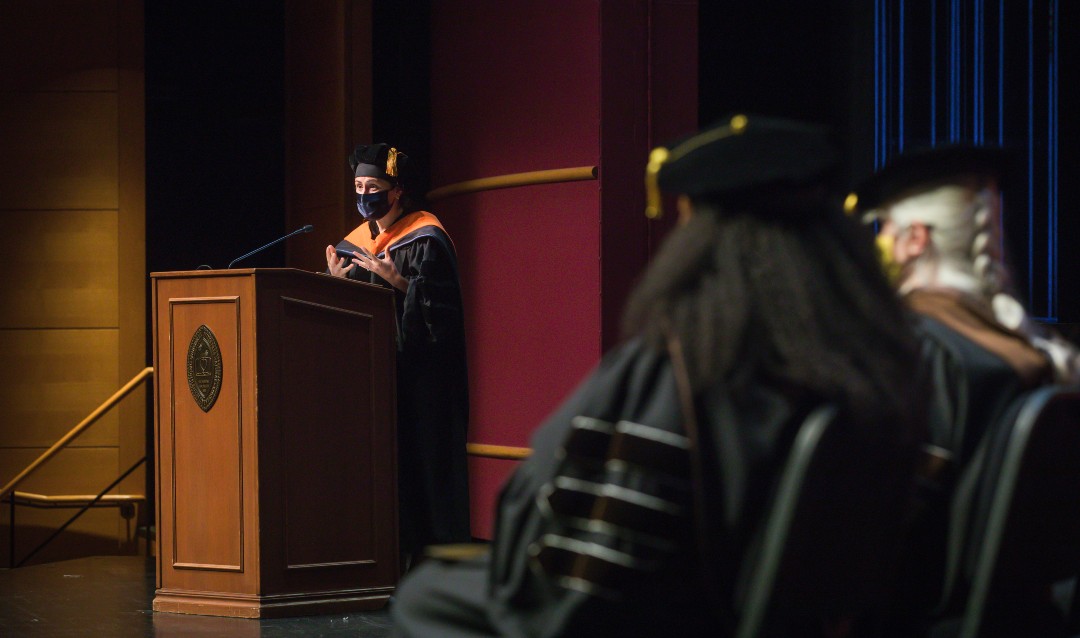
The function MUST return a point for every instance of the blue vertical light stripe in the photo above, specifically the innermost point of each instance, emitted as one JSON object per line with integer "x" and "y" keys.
{"x": 963, "y": 68}
{"x": 877, "y": 83}
{"x": 1052, "y": 163}
{"x": 949, "y": 73}
{"x": 954, "y": 70}
{"x": 881, "y": 82}
{"x": 933, "y": 72}
{"x": 886, "y": 111}
{"x": 1001, "y": 72}
{"x": 1031, "y": 151}
{"x": 886, "y": 77}
{"x": 1001, "y": 105}
{"x": 900, "y": 79}
{"x": 977, "y": 80}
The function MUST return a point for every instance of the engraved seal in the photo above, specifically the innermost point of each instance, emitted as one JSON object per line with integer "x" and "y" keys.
{"x": 204, "y": 368}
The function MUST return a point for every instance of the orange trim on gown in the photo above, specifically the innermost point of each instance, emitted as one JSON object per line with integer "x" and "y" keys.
{"x": 361, "y": 235}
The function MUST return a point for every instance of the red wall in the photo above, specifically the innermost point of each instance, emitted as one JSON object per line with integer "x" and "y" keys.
{"x": 525, "y": 86}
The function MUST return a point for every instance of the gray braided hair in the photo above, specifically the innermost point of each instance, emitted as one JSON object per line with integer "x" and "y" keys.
{"x": 964, "y": 215}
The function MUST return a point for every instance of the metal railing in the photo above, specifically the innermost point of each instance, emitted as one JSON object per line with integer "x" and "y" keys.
{"x": 125, "y": 502}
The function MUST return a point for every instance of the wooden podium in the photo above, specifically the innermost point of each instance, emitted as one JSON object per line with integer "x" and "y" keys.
{"x": 275, "y": 445}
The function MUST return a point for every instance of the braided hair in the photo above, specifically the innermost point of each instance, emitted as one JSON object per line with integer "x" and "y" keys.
{"x": 964, "y": 215}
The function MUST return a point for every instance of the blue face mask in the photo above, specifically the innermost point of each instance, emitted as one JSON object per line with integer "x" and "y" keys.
{"x": 374, "y": 205}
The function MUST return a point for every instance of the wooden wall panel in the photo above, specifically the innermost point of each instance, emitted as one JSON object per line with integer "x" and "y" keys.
{"x": 60, "y": 150}
{"x": 58, "y": 45}
{"x": 60, "y": 268}
{"x": 72, "y": 315}
{"x": 132, "y": 321}
{"x": 50, "y": 381}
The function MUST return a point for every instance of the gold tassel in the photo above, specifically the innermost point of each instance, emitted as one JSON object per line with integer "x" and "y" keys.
{"x": 391, "y": 162}
{"x": 851, "y": 204}
{"x": 659, "y": 155}
{"x": 653, "y": 201}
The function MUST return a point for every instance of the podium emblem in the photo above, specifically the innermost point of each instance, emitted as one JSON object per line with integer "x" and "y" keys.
{"x": 204, "y": 368}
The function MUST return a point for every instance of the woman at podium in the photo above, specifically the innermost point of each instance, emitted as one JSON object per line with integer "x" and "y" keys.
{"x": 408, "y": 250}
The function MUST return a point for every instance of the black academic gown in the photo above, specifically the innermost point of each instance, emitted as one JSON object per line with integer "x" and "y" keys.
{"x": 744, "y": 441}
{"x": 432, "y": 389}
{"x": 971, "y": 388}
{"x": 974, "y": 366}
{"x": 973, "y": 393}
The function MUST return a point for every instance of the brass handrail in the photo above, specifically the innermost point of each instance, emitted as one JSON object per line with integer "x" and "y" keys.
{"x": 498, "y": 451}
{"x": 77, "y": 430}
{"x": 29, "y": 499}
{"x": 551, "y": 176}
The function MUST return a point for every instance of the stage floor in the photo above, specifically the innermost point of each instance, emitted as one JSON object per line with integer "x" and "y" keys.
{"x": 112, "y": 596}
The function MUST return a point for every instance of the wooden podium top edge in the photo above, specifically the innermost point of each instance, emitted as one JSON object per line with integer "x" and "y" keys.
{"x": 188, "y": 274}
{"x": 222, "y": 272}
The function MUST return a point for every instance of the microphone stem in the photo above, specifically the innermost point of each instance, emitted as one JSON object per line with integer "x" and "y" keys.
{"x": 276, "y": 241}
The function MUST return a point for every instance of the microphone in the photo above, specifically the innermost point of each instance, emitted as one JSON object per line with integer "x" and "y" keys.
{"x": 306, "y": 229}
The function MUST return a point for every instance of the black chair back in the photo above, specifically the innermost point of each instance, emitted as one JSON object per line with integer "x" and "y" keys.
{"x": 828, "y": 545}
{"x": 1025, "y": 528}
